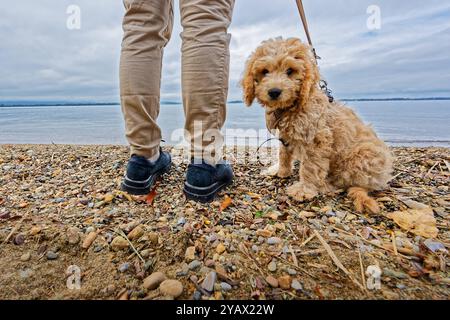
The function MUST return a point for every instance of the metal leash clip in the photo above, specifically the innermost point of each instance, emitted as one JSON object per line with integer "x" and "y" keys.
{"x": 324, "y": 87}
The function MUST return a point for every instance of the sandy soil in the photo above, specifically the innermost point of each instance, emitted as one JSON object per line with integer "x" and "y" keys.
{"x": 60, "y": 206}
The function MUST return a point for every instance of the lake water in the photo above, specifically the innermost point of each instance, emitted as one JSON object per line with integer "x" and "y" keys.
{"x": 406, "y": 123}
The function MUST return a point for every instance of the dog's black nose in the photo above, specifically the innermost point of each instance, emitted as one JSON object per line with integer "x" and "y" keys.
{"x": 275, "y": 93}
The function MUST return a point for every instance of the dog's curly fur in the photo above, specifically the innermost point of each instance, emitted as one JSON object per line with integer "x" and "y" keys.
{"x": 335, "y": 148}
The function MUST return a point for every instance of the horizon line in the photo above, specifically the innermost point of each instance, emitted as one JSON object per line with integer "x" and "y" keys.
{"x": 56, "y": 103}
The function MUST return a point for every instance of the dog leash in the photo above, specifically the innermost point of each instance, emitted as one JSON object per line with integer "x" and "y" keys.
{"x": 323, "y": 84}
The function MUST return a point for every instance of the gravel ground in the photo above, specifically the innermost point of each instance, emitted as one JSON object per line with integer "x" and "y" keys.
{"x": 62, "y": 218}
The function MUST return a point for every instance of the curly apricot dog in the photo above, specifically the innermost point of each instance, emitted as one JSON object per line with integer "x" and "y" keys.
{"x": 335, "y": 148}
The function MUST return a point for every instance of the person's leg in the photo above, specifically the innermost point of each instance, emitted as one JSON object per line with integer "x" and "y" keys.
{"x": 147, "y": 28}
{"x": 205, "y": 65}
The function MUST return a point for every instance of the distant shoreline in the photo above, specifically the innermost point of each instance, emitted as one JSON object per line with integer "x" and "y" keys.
{"x": 66, "y": 104}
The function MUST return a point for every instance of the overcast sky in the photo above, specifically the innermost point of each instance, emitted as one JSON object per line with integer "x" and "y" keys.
{"x": 40, "y": 59}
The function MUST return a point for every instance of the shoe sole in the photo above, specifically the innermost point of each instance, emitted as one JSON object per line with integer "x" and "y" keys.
{"x": 132, "y": 187}
{"x": 205, "y": 194}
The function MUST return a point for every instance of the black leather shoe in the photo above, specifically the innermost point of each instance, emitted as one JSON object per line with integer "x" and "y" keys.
{"x": 142, "y": 174}
{"x": 203, "y": 181}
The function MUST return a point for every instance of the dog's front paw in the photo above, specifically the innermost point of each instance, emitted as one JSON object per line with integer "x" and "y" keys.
{"x": 276, "y": 171}
{"x": 271, "y": 171}
{"x": 300, "y": 192}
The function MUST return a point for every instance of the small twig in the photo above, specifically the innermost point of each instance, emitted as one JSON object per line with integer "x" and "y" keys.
{"x": 394, "y": 243}
{"x": 15, "y": 229}
{"x": 363, "y": 277}
{"x": 122, "y": 234}
{"x": 431, "y": 169}
{"x": 307, "y": 240}
{"x": 447, "y": 164}
{"x": 335, "y": 259}
{"x": 294, "y": 258}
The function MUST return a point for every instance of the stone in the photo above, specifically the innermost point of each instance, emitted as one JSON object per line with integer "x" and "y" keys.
{"x": 210, "y": 263}
{"x": 296, "y": 285}
{"x": 194, "y": 265}
{"x": 171, "y": 288}
{"x": 264, "y": 233}
{"x": 154, "y": 280}
{"x": 225, "y": 286}
{"x": 90, "y": 229}
{"x": 220, "y": 248}
{"x": 273, "y": 240}
{"x": 25, "y": 257}
{"x": 19, "y": 239}
{"x": 90, "y": 238}
{"x": 124, "y": 267}
{"x": 73, "y": 235}
{"x": 285, "y": 282}
{"x": 119, "y": 243}
{"x": 208, "y": 282}
{"x": 197, "y": 295}
{"x": 136, "y": 233}
{"x": 291, "y": 272}
{"x": 272, "y": 281}
{"x": 35, "y": 230}
{"x": 153, "y": 238}
{"x": 52, "y": 255}
{"x": 272, "y": 266}
{"x": 255, "y": 248}
{"x": 189, "y": 255}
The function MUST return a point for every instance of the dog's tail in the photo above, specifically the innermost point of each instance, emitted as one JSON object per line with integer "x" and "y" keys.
{"x": 362, "y": 200}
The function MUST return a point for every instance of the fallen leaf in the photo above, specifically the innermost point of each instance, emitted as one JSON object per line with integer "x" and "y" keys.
{"x": 108, "y": 198}
{"x": 151, "y": 197}
{"x": 254, "y": 195}
{"x": 225, "y": 203}
{"x": 418, "y": 221}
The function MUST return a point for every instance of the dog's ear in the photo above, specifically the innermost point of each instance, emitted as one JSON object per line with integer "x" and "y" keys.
{"x": 248, "y": 81}
{"x": 311, "y": 75}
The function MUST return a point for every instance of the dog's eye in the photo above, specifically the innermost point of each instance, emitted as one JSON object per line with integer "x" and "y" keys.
{"x": 289, "y": 71}
{"x": 265, "y": 71}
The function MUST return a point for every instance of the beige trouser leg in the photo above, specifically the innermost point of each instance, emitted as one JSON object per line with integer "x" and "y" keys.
{"x": 147, "y": 28}
{"x": 205, "y": 68}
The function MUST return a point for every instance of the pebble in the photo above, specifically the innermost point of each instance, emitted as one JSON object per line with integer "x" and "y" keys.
{"x": 154, "y": 280}
{"x": 19, "y": 239}
{"x": 272, "y": 281}
{"x": 296, "y": 285}
{"x": 210, "y": 263}
{"x": 153, "y": 238}
{"x": 273, "y": 240}
{"x": 225, "y": 286}
{"x": 272, "y": 266}
{"x": 52, "y": 255}
{"x": 291, "y": 272}
{"x": 264, "y": 233}
{"x": 25, "y": 274}
{"x": 90, "y": 229}
{"x": 73, "y": 235}
{"x": 255, "y": 248}
{"x": 171, "y": 288}
{"x": 194, "y": 265}
{"x": 136, "y": 233}
{"x": 197, "y": 295}
{"x": 285, "y": 282}
{"x": 401, "y": 286}
{"x": 90, "y": 238}
{"x": 220, "y": 248}
{"x": 210, "y": 279}
{"x": 124, "y": 267}
{"x": 25, "y": 257}
{"x": 181, "y": 221}
{"x": 119, "y": 243}
{"x": 189, "y": 255}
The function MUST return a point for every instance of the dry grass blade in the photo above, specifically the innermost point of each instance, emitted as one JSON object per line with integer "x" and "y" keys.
{"x": 335, "y": 259}
{"x": 122, "y": 234}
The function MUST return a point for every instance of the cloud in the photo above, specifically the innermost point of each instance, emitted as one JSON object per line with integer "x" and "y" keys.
{"x": 41, "y": 59}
